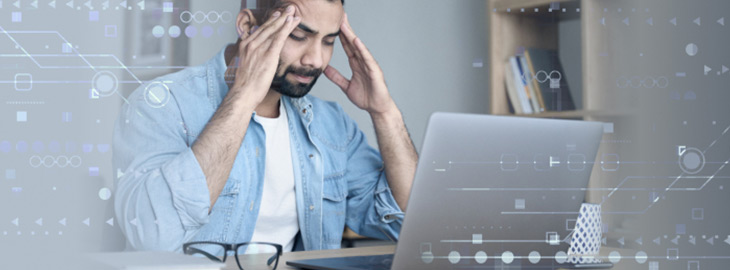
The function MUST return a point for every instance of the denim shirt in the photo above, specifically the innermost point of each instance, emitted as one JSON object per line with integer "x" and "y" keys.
{"x": 161, "y": 197}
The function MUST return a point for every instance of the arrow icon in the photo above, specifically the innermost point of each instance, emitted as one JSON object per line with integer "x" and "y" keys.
{"x": 52, "y": 4}
{"x": 676, "y": 240}
{"x": 603, "y": 21}
{"x": 650, "y": 21}
{"x": 120, "y": 174}
{"x": 87, "y": 221}
{"x": 725, "y": 69}
{"x": 141, "y": 5}
{"x": 62, "y": 221}
{"x": 698, "y": 21}
{"x": 711, "y": 241}
{"x": 658, "y": 241}
{"x": 34, "y": 4}
{"x": 123, "y": 4}
{"x": 626, "y": 21}
{"x": 707, "y": 70}
{"x": 621, "y": 241}
{"x": 39, "y": 222}
{"x": 692, "y": 240}
{"x": 673, "y": 21}
{"x": 15, "y": 222}
{"x": 105, "y": 5}
{"x": 640, "y": 241}
{"x": 88, "y": 5}
{"x": 721, "y": 21}
{"x": 17, "y": 4}
{"x": 110, "y": 222}
{"x": 70, "y": 4}
{"x": 727, "y": 240}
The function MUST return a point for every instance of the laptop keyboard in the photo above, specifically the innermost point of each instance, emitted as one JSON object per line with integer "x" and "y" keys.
{"x": 371, "y": 262}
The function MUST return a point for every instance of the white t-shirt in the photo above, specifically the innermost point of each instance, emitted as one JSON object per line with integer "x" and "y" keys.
{"x": 277, "y": 221}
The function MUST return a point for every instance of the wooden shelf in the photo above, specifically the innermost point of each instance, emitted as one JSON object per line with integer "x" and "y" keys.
{"x": 510, "y": 31}
{"x": 502, "y": 5}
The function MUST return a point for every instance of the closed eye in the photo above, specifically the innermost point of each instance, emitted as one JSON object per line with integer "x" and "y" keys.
{"x": 294, "y": 37}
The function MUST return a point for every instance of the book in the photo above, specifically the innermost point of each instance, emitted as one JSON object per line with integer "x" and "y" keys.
{"x": 522, "y": 93}
{"x": 529, "y": 74}
{"x": 527, "y": 80}
{"x": 550, "y": 79}
{"x": 509, "y": 81}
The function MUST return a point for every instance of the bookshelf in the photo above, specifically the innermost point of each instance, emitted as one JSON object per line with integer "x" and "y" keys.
{"x": 516, "y": 23}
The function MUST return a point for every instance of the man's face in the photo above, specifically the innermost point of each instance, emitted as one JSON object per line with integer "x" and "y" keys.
{"x": 308, "y": 49}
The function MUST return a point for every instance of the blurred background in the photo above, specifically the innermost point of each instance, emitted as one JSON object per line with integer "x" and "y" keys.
{"x": 655, "y": 72}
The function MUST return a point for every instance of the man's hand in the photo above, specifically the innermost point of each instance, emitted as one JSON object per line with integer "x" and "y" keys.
{"x": 258, "y": 56}
{"x": 366, "y": 89}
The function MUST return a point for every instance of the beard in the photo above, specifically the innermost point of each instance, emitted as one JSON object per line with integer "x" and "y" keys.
{"x": 294, "y": 89}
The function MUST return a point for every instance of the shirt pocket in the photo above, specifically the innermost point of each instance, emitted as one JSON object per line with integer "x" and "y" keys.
{"x": 334, "y": 207}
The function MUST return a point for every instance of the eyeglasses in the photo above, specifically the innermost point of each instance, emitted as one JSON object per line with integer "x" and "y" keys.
{"x": 207, "y": 249}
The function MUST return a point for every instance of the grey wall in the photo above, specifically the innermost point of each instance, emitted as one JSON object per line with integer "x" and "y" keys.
{"x": 426, "y": 50}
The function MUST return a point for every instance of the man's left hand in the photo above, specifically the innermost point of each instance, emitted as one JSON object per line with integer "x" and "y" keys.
{"x": 366, "y": 89}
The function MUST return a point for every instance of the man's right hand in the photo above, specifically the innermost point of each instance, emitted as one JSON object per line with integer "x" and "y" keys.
{"x": 258, "y": 56}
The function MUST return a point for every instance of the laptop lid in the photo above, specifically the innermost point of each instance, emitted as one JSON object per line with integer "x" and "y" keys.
{"x": 493, "y": 190}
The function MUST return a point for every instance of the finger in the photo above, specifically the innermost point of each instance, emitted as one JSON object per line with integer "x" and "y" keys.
{"x": 279, "y": 39}
{"x": 254, "y": 30}
{"x": 337, "y": 78}
{"x": 350, "y": 37}
{"x": 347, "y": 31}
{"x": 264, "y": 32}
{"x": 347, "y": 46}
{"x": 364, "y": 53}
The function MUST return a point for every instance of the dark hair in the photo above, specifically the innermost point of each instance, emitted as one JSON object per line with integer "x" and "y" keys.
{"x": 267, "y": 4}
{"x": 261, "y": 11}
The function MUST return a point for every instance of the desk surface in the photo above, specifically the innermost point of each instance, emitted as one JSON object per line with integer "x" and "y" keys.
{"x": 255, "y": 261}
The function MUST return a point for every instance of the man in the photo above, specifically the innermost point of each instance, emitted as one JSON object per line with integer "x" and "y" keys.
{"x": 241, "y": 153}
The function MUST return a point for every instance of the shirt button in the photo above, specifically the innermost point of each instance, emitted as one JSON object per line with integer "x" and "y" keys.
{"x": 304, "y": 111}
{"x": 311, "y": 207}
{"x": 311, "y": 156}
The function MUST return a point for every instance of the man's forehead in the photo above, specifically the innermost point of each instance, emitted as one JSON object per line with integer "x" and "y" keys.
{"x": 323, "y": 16}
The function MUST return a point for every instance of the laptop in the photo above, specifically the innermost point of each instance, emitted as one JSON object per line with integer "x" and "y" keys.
{"x": 493, "y": 192}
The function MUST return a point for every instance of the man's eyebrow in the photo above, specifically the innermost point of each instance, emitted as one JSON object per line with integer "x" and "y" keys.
{"x": 334, "y": 34}
{"x": 306, "y": 28}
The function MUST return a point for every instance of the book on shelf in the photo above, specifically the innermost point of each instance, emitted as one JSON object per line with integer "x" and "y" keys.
{"x": 536, "y": 82}
{"x": 522, "y": 93}
{"x": 509, "y": 81}
{"x": 551, "y": 80}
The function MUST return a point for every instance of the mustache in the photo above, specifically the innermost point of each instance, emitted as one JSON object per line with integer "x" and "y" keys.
{"x": 304, "y": 72}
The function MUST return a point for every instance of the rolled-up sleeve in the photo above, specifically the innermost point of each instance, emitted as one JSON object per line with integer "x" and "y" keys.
{"x": 161, "y": 195}
{"x": 371, "y": 208}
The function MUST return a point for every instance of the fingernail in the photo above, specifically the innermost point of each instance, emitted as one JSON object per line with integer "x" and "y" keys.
{"x": 276, "y": 14}
{"x": 288, "y": 18}
{"x": 296, "y": 18}
{"x": 289, "y": 9}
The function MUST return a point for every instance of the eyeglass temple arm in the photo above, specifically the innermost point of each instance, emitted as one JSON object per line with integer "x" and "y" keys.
{"x": 272, "y": 259}
{"x": 206, "y": 254}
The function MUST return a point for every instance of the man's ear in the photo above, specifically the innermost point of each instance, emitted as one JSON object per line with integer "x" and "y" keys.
{"x": 245, "y": 22}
